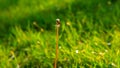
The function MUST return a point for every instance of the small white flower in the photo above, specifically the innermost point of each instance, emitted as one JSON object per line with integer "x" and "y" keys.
{"x": 108, "y": 44}
{"x": 77, "y": 51}
{"x": 59, "y": 47}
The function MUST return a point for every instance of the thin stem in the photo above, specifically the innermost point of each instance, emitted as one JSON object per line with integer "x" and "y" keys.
{"x": 56, "y": 58}
{"x": 57, "y": 35}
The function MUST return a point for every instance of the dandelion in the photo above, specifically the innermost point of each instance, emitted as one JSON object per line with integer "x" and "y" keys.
{"x": 58, "y": 22}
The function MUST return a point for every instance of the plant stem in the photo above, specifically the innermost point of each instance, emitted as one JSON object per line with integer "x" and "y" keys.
{"x": 56, "y": 58}
{"x": 57, "y": 35}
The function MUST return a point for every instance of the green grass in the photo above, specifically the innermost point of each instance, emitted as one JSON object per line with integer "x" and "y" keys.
{"x": 89, "y": 33}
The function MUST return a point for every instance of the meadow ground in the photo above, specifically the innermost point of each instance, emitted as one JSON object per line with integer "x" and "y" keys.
{"x": 89, "y": 35}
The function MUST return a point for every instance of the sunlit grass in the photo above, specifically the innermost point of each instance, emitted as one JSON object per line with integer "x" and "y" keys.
{"x": 89, "y": 36}
{"x": 37, "y": 49}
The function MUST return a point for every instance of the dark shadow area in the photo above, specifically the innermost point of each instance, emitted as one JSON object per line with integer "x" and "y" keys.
{"x": 5, "y": 4}
{"x": 46, "y": 19}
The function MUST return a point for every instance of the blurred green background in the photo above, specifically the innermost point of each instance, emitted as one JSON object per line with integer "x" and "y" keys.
{"x": 88, "y": 36}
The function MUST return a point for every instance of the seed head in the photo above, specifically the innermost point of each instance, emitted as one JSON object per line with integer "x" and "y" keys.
{"x": 58, "y": 22}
